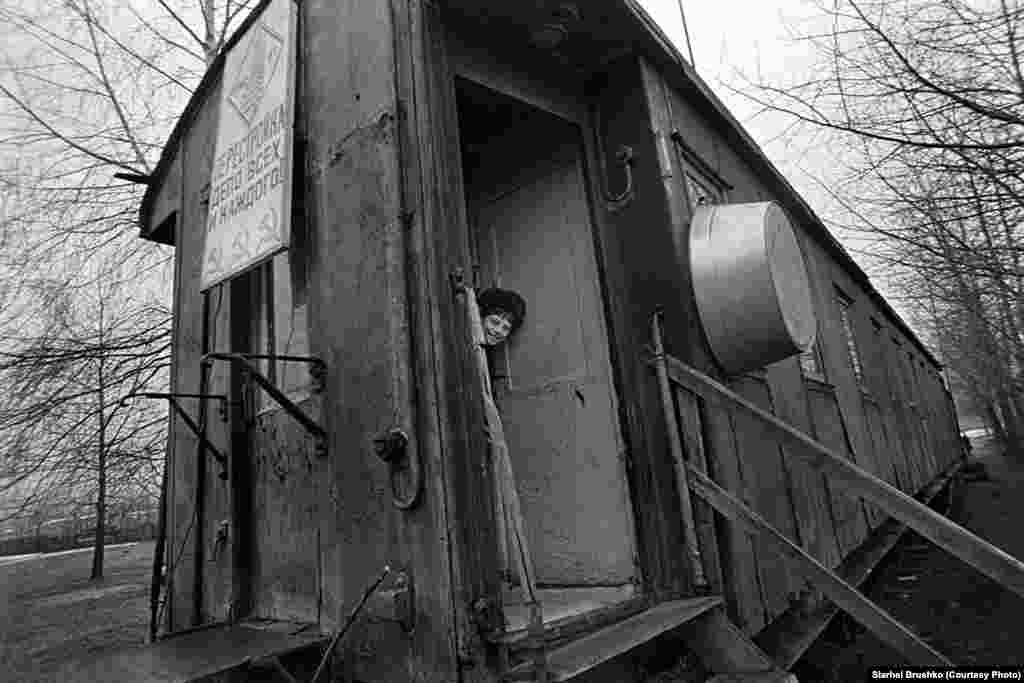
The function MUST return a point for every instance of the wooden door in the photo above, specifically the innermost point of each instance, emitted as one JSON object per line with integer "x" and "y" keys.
{"x": 553, "y": 380}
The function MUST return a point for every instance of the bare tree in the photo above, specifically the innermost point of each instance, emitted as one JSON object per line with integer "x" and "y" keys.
{"x": 66, "y": 429}
{"x": 925, "y": 100}
{"x": 88, "y": 88}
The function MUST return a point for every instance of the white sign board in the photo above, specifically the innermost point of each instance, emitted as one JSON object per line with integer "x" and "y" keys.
{"x": 250, "y": 188}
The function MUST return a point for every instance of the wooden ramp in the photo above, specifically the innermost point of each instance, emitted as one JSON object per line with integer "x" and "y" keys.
{"x": 201, "y": 653}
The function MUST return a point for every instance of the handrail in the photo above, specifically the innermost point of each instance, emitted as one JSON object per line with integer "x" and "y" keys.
{"x": 242, "y": 360}
{"x": 848, "y": 598}
{"x": 980, "y": 554}
{"x": 222, "y": 459}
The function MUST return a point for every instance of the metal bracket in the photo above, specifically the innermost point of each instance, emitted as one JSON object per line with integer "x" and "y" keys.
{"x": 250, "y": 371}
{"x": 396, "y": 604}
{"x": 392, "y": 447}
{"x": 317, "y": 368}
{"x": 187, "y": 419}
{"x": 457, "y": 278}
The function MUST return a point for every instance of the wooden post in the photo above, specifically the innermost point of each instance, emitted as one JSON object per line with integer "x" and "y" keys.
{"x": 678, "y": 457}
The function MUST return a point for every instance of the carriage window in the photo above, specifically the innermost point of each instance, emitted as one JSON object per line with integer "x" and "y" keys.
{"x": 810, "y": 363}
{"x": 700, "y": 192}
{"x": 845, "y": 303}
{"x": 702, "y": 183}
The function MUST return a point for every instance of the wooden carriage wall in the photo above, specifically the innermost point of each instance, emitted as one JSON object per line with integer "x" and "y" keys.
{"x": 443, "y": 143}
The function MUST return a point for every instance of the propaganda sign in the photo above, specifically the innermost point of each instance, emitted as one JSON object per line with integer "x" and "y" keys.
{"x": 250, "y": 188}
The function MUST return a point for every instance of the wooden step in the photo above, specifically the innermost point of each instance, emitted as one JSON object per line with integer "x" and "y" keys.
{"x": 583, "y": 654}
{"x": 767, "y": 677}
{"x": 202, "y": 653}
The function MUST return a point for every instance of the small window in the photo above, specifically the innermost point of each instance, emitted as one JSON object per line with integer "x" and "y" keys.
{"x": 845, "y": 303}
{"x": 700, "y": 192}
{"x": 810, "y": 363}
{"x": 703, "y": 185}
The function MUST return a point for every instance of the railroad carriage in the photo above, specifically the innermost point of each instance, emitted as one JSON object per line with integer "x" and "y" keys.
{"x": 712, "y": 415}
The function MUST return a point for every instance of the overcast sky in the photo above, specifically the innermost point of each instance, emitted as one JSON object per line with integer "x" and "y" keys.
{"x": 737, "y": 39}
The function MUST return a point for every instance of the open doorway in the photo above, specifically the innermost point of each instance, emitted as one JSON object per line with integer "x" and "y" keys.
{"x": 531, "y": 232}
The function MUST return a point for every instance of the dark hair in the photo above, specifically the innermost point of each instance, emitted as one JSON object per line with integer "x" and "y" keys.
{"x": 494, "y": 299}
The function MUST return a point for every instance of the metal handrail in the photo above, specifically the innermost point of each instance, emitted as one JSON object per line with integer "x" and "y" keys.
{"x": 289, "y": 406}
{"x": 222, "y": 459}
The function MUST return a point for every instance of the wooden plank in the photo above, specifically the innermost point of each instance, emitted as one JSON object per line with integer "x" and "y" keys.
{"x": 829, "y": 429}
{"x": 765, "y": 476}
{"x": 478, "y": 62}
{"x": 980, "y": 554}
{"x": 742, "y": 587}
{"x": 568, "y": 613}
{"x": 877, "y": 620}
{"x": 722, "y": 646}
{"x": 586, "y": 653}
{"x": 769, "y": 677}
{"x": 200, "y": 653}
{"x": 286, "y": 502}
{"x": 807, "y": 487}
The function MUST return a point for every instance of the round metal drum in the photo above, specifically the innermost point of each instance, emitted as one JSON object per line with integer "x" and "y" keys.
{"x": 753, "y": 294}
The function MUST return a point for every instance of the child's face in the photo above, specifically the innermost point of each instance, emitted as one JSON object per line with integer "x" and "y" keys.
{"x": 497, "y": 326}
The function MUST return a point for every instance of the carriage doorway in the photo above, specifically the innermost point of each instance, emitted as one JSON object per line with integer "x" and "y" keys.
{"x": 531, "y": 232}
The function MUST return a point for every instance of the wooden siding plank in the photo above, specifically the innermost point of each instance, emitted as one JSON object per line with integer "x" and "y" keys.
{"x": 742, "y": 585}
{"x": 764, "y": 476}
{"x": 847, "y": 513}
{"x": 808, "y": 492}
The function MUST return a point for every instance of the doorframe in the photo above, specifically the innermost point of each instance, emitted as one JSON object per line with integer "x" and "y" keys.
{"x": 569, "y": 101}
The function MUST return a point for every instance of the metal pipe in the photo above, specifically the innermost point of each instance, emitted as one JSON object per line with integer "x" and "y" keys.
{"x": 189, "y": 422}
{"x": 289, "y": 407}
{"x": 678, "y": 457}
{"x": 158, "y": 559}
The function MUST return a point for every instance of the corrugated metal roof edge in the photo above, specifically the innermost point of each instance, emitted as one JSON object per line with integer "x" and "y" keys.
{"x": 661, "y": 51}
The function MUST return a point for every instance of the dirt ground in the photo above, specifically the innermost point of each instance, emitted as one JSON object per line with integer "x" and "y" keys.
{"x": 51, "y": 614}
{"x": 960, "y": 612}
